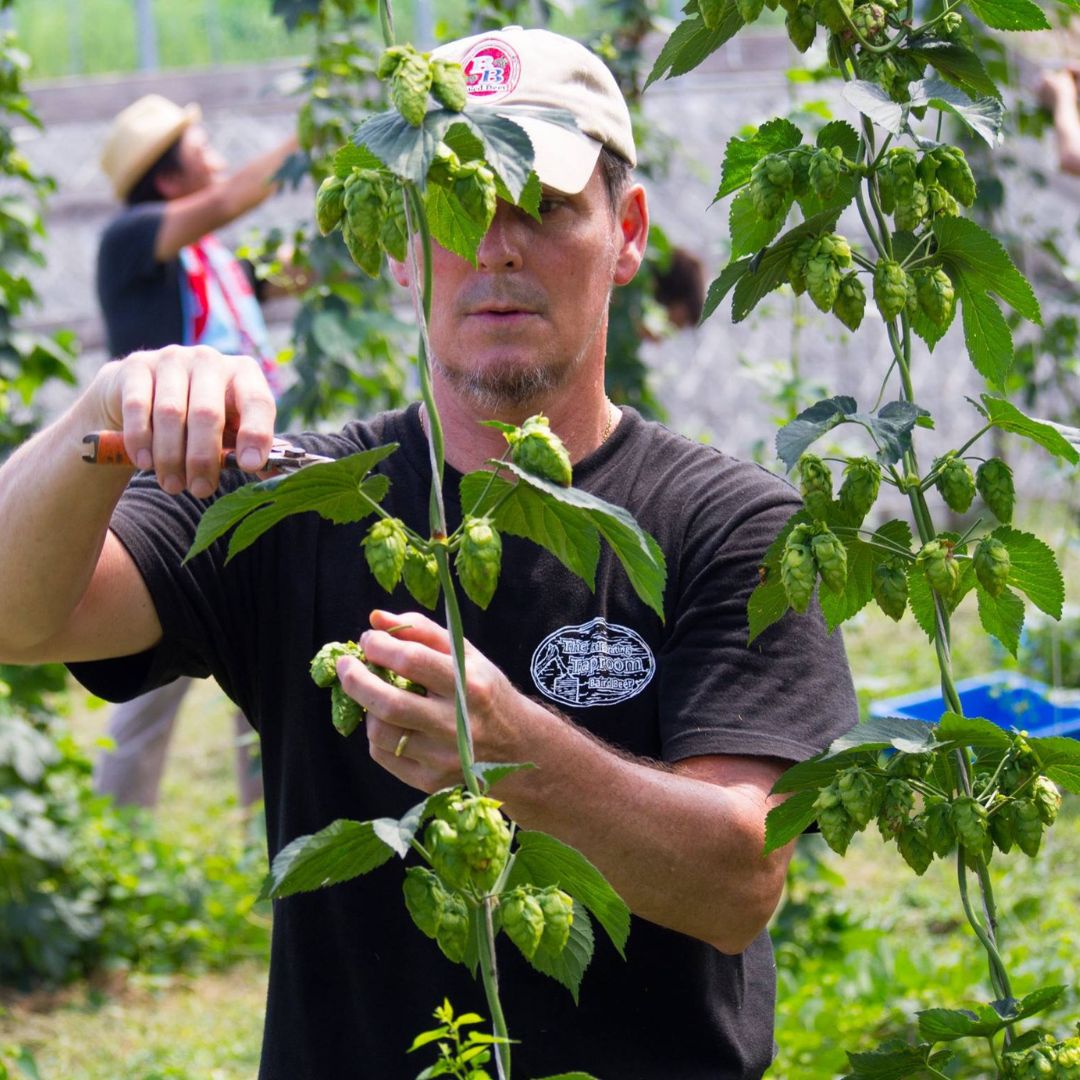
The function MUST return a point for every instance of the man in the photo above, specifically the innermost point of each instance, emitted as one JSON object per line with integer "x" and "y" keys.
{"x": 1057, "y": 92}
{"x": 660, "y": 777}
{"x": 163, "y": 278}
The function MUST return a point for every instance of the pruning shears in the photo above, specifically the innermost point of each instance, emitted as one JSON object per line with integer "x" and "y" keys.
{"x": 107, "y": 448}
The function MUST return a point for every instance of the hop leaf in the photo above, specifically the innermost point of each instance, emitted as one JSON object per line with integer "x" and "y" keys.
{"x": 749, "y": 10}
{"x": 801, "y": 26}
{"x": 994, "y": 482}
{"x": 859, "y": 489}
{"x": 384, "y": 549}
{"x": 955, "y": 482}
{"x": 479, "y": 559}
{"x": 890, "y": 288}
{"x": 815, "y": 484}
{"x": 330, "y": 204}
{"x": 421, "y": 576}
{"x": 850, "y": 301}
{"x": 830, "y": 558}
{"x": 834, "y": 13}
{"x": 992, "y": 565}
{"x": 890, "y": 586}
{"x": 538, "y": 450}
{"x": 448, "y": 84}
{"x": 937, "y": 818}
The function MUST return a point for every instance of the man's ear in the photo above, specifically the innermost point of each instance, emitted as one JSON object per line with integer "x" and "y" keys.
{"x": 633, "y": 226}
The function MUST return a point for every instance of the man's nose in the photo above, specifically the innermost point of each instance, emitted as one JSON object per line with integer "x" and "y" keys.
{"x": 502, "y": 248}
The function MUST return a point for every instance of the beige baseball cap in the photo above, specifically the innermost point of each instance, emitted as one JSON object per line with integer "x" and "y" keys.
{"x": 515, "y": 68}
{"x": 139, "y": 135}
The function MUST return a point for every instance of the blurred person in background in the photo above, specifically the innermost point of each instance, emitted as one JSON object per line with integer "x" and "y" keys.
{"x": 1057, "y": 91}
{"x": 164, "y": 278}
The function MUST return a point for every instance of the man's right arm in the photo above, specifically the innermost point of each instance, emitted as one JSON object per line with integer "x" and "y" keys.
{"x": 68, "y": 588}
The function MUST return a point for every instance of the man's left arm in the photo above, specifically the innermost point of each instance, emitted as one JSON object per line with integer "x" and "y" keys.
{"x": 681, "y": 844}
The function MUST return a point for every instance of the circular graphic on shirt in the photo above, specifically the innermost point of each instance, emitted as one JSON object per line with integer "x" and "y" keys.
{"x": 596, "y": 663}
{"x": 492, "y": 70}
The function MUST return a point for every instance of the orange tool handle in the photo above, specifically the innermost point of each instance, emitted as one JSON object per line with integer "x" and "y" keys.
{"x": 107, "y": 448}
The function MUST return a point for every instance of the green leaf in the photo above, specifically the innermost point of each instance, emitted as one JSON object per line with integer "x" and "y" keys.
{"x": 956, "y": 730}
{"x": 798, "y": 434}
{"x": 818, "y": 772}
{"x": 638, "y": 552}
{"x": 399, "y": 834}
{"x": 331, "y": 489}
{"x": 984, "y": 116}
{"x": 351, "y": 157}
{"x": 973, "y": 255}
{"x": 452, "y": 226}
{"x": 541, "y": 860}
{"x": 491, "y": 772}
{"x": 789, "y": 820}
{"x": 957, "y": 64}
{"x": 1034, "y": 570}
{"x": 769, "y": 271}
{"x": 944, "y": 1025}
{"x": 768, "y": 602}
{"x": 1002, "y": 616}
{"x": 403, "y": 149}
{"x": 839, "y": 133}
{"x": 986, "y": 333}
{"x": 895, "y": 533}
{"x": 568, "y": 967}
{"x": 1038, "y": 1001}
{"x": 1060, "y": 757}
{"x": 1009, "y": 14}
{"x": 750, "y": 232}
{"x": 741, "y": 155}
{"x": 1006, "y": 416}
{"x": 836, "y": 133}
{"x": 899, "y": 732}
{"x": 343, "y": 850}
{"x": 889, "y": 1064}
{"x": 859, "y": 591}
{"x": 728, "y": 279}
{"x": 873, "y": 102}
{"x": 692, "y": 41}
{"x": 522, "y": 510}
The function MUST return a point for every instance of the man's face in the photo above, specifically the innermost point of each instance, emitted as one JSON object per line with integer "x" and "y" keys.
{"x": 200, "y": 164}
{"x": 534, "y": 310}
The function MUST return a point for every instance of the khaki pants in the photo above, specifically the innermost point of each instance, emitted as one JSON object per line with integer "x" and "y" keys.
{"x": 141, "y": 729}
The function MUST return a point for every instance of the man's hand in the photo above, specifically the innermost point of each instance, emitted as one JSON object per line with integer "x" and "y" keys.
{"x": 1056, "y": 86}
{"x": 419, "y": 649}
{"x": 176, "y": 406}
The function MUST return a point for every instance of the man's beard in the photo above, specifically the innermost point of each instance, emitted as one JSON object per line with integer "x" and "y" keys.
{"x": 509, "y": 387}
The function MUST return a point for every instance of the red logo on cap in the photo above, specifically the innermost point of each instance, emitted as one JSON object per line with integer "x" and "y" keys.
{"x": 492, "y": 69}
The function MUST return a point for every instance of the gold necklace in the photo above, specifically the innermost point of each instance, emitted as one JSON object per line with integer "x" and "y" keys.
{"x": 609, "y": 426}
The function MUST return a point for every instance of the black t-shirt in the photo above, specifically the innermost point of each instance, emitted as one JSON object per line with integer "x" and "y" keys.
{"x": 352, "y": 981}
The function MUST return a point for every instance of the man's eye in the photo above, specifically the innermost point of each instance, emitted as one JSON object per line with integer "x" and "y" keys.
{"x": 547, "y": 206}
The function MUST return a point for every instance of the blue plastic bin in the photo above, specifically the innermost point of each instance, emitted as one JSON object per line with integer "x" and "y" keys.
{"x": 1009, "y": 699}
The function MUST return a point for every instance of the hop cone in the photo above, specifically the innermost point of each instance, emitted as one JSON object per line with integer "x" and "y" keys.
{"x": 558, "y": 909}
{"x": 869, "y": 20}
{"x": 826, "y": 167}
{"x": 1028, "y": 826}
{"x": 850, "y": 301}
{"x": 890, "y": 288}
{"x": 421, "y": 576}
{"x": 951, "y": 23}
{"x": 994, "y": 482}
{"x": 799, "y": 159}
{"x": 896, "y": 808}
{"x": 749, "y": 10}
{"x": 448, "y": 85}
{"x": 365, "y": 253}
{"x": 1001, "y": 822}
{"x": 522, "y": 919}
{"x": 324, "y": 662}
{"x": 1047, "y": 799}
{"x": 822, "y": 279}
{"x": 940, "y": 202}
{"x": 910, "y": 212}
{"x": 897, "y": 176}
{"x": 801, "y": 26}
{"x": 859, "y": 489}
{"x": 915, "y": 846}
{"x": 390, "y": 59}
{"x": 384, "y": 549}
{"x": 410, "y": 85}
{"x": 394, "y": 232}
{"x": 815, "y": 484}
{"x": 936, "y": 295}
{"x": 955, "y": 482}
{"x": 971, "y": 825}
{"x": 992, "y": 565}
{"x": 770, "y": 181}
{"x": 954, "y": 174}
{"x": 452, "y": 933}
{"x": 469, "y": 843}
{"x": 797, "y": 570}
{"x": 860, "y": 795}
{"x": 479, "y": 559}
{"x": 941, "y": 569}
{"x": 330, "y": 204}
{"x": 798, "y": 263}
{"x": 538, "y": 450}
{"x": 890, "y": 587}
{"x": 830, "y": 557}
{"x": 474, "y": 187}
{"x": 937, "y": 818}
{"x": 366, "y": 202}
{"x": 346, "y": 713}
{"x": 423, "y": 897}
{"x": 836, "y": 824}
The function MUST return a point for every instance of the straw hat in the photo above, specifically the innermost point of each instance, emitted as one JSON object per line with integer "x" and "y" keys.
{"x": 140, "y": 135}
{"x": 514, "y": 71}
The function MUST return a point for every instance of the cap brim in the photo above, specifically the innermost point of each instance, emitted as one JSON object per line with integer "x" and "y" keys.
{"x": 563, "y": 158}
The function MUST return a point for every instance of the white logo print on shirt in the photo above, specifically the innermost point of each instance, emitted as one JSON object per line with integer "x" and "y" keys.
{"x": 596, "y": 663}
